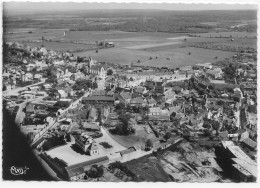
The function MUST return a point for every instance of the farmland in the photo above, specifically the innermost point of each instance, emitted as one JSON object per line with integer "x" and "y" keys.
{"x": 149, "y": 48}
{"x": 154, "y": 38}
{"x": 178, "y": 56}
{"x": 22, "y": 34}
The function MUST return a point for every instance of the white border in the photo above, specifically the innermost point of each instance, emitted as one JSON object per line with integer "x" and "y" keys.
{"x": 119, "y": 185}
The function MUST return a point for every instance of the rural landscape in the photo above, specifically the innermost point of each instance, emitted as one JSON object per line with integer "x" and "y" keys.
{"x": 133, "y": 95}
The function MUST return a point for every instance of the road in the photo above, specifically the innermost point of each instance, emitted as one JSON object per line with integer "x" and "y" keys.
{"x": 54, "y": 124}
{"x": 15, "y": 91}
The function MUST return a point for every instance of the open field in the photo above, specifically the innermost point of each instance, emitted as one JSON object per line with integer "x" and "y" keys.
{"x": 179, "y": 56}
{"x": 117, "y": 55}
{"x": 228, "y": 34}
{"x": 37, "y": 34}
{"x": 61, "y": 46}
{"x": 247, "y": 42}
{"x": 130, "y": 47}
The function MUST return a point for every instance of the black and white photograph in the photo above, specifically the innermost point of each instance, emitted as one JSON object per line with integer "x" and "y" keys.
{"x": 129, "y": 92}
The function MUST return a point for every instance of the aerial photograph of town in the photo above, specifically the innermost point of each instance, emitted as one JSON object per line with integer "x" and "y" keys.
{"x": 140, "y": 93}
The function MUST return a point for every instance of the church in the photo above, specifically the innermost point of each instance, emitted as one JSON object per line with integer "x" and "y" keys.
{"x": 96, "y": 69}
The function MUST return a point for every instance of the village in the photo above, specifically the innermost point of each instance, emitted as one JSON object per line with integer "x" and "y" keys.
{"x": 87, "y": 120}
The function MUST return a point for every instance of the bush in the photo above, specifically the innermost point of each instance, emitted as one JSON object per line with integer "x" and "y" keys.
{"x": 105, "y": 145}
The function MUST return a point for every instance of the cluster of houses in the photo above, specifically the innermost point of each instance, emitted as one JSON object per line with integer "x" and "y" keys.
{"x": 194, "y": 99}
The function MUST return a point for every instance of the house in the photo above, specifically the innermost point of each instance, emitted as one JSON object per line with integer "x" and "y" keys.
{"x": 87, "y": 144}
{"x": 62, "y": 94}
{"x": 29, "y": 108}
{"x": 37, "y": 76}
{"x": 151, "y": 102}
{"x": 27, "y": 77}
{"x": 159, "y": 89}
{"x": 137, "y": 102}
{"x": 177, "y": 89}
{"x": 168, "y": 94}
{"x": 75, "y": 172}
{"x": 101, "y": 99}
{"x": 125, "y": 97}
{"x": 30, "y": 67}
{"x": 140, "y": 89}
{"x": 149, "y": 84}
{"x": 47, "y": 86}
{"x": 91, "y": 126}
{"x": 242, "y": 134}
{"x": 215, "y": 73}
{"x": 223, "y": 135}
{"x": 92, "y": 115}
{"x": 156, "y": 113}
{"x": 40, "y": 66}
{"x": 250, "y": 143}
{"x": 76, "y": 76}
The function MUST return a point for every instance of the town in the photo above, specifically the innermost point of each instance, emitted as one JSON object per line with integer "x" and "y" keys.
{"x": 88, "y": 121}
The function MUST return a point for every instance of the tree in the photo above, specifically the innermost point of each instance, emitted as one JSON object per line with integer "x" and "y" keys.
{"x": 95, "y": 171}
{"x": 125, "y": 128}
{"x": 68, "y": 138}
{"x": 148, "y": 145}
{"x": 109, "y": 72}
{"x": 4, "y": 87}
{"x": 95, "y": 85}
{"x": 167, "y": 136}
{"x": 99, "y": 116}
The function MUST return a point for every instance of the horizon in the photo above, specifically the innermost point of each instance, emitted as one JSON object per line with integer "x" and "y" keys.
{"x": 41, "y": 7}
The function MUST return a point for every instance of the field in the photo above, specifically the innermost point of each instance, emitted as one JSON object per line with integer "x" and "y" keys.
{"x": 179, "y": 56}
{"x": 228, "y": 34}
{"x": 62, "y": 46}
{"x": 37, "y": 34}
{"x": 156, "y": 49}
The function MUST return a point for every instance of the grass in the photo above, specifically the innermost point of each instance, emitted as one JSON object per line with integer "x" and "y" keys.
{"x": 139, "y": 138}
{"x": 180, "y": 57}
{"x": 117, "y": 55}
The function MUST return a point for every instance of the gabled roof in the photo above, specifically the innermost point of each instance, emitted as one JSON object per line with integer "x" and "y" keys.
{"x": 99, "y": 98}
{"x": 241, "y": 131}
{"x": 137, "y": 101}
{"x": 96, "y": 67}
{"x": 139, "y": 89}
{"x": 152, "y": 101}
{"x": 126, "y": 95}
{"x": 250, "y": 143}
{"x": 93, "y": 146}
{"x": 77, "y": 168}
{"x": 99, "y": 93}
{"x": 74, "y": 171}
{"x": 155, "y": 110}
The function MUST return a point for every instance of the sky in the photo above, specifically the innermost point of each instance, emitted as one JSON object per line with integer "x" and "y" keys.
{"x": 55, "y": 6}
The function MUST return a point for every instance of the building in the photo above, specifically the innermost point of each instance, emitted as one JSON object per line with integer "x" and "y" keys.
{"x": 87, "y": 144}
{"x": 77, "y": 171}
{"x": 156, "y": 113}
{"x": 98, "y": 99}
